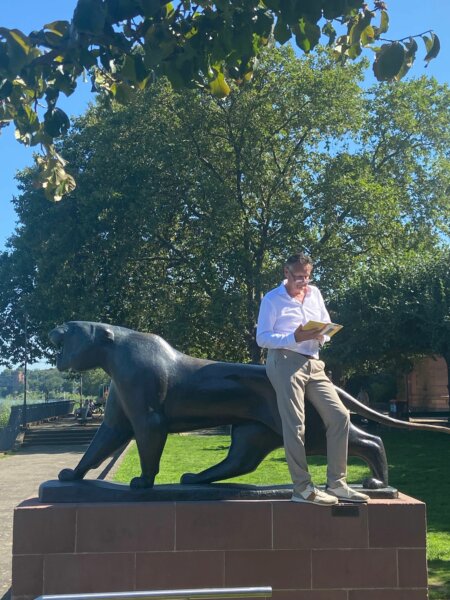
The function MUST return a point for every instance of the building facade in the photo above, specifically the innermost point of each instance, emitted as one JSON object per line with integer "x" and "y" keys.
{"x": 424, "y": 389}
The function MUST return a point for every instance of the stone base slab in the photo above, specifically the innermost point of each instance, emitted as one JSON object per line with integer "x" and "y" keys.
{"x": 305, "y": 552}
{"x": 96, "y": 490}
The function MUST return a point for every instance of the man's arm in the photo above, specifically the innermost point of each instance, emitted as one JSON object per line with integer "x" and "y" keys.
{"x": 265, "y": 335}
{"x": 324, "y": 318}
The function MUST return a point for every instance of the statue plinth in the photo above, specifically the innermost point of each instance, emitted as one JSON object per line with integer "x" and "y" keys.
{"x": 301, "y": 550}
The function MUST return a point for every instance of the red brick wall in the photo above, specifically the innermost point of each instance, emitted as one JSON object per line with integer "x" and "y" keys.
{"x": 304, "y": 552}
{"x": 427, "y": 385}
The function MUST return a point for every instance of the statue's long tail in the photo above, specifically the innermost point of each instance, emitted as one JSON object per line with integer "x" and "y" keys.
{"x": 361, "y": 409}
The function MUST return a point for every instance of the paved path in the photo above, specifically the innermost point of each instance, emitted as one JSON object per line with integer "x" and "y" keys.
{"x": 20, "y": 476}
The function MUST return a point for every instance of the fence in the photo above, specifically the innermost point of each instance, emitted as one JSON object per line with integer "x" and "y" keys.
{"x": 34, "y": 412}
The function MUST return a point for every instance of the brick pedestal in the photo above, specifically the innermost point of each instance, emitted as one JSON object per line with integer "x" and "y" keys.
{"x": 305, "y": 552}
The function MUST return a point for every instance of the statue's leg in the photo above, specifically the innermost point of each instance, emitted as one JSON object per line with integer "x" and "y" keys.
{"x": 112, "y": 434}
{"x": 250, "y": 444}
{"x": 106, "y": 441}
{"x": 151, "y": 434}
{"x": 371, "y": 449}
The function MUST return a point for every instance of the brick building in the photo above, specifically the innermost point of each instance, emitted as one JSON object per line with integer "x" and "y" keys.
{"x": 425, "y": 387}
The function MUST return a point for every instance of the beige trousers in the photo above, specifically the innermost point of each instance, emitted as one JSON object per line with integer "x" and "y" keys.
{"x": 293, "y": 376}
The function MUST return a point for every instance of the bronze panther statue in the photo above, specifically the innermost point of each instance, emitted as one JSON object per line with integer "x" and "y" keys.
{"x": 157, "y": 390}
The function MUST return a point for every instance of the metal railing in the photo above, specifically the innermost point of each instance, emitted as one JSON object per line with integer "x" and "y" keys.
{"x": 195, "y": 594}
{"x": 34, "y": 412}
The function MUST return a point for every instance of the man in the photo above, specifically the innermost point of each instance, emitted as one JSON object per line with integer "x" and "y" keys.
{"x": 294, "y": 369}
{"x": 363, "y": 396}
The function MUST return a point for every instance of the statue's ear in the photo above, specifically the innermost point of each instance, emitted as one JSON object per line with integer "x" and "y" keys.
{"x": 109, "y": 334}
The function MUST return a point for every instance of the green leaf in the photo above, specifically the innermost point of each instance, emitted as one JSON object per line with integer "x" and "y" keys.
{"x": 330, "y": 32}
{"x": 332, "y": 9}
{"x": 26, "y": 120}
{"x": 282, "y": 31}
{"x": 60, "y": 28}
{"x": 89, "y": 16}
{"x": 128, "y": 70}
{"x": 122, "y": 92}
{"x": 410, "y": 55}
{"x": 121, "y": 10}
{"x": 87, "y": 58}
{"x": 263, "y": 23}
{"x": 384, "y": 22}
{"x": 360, "y": 25}
{"x": 353, "y": 51}
{"x": 56, "y": 122}
{"x": 411, "y": 46}
{"x": 6, "y": 87}
{"x": 17, "y": 49}
{"x": 21, "y": 40}
{"x": 307, "y": 35}
{"x": 428, "y": 42}
{"x": 4, "y": 60}
{"x": 65, "y": 82}
{"x": 133, "y": 69}
{"x": 389, "y": 61}
{"x": 367, "y": 35}
{"x": 55, "y": 181}
{"x": 41, "y": 138}
{"x": 272, "y": 5}
{"x": 150, "y": 7}
{"x": 310, "y": 10}
{"x": 433, "y": 48}
{"x": 168, "y": 10}
{"x": 219, "y": 87}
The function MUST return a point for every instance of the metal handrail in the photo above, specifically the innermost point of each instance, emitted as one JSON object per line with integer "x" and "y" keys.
{"x": 34, "y": 412}
{"x": 194, "y": 594}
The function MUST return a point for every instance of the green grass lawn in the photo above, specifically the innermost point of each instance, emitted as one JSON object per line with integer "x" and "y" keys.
{"x": 418, "y": 466}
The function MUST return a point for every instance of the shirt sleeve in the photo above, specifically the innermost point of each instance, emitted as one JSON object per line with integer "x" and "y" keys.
{"x": 266, "y": 337}
{"x": 324, "y": 316}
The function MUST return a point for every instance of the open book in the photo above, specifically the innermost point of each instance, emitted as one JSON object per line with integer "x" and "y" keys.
{"x": 330, "y": 328}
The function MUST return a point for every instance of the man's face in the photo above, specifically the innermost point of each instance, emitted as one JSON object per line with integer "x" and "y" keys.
{"x": 297, "y": 276}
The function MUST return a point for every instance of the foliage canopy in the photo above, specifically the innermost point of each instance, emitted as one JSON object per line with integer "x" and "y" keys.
{"x": 393, "y": 313}
{"x": 187, "y": 204}
{"x": 125, "y": 44}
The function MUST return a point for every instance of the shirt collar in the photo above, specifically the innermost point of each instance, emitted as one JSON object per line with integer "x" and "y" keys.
{"x": 282, "y": 289}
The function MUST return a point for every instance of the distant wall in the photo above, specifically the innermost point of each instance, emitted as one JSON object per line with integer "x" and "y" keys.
{"x": 425, "y": 386}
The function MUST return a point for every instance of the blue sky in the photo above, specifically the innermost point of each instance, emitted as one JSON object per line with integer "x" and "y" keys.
{"x": 407, "y": 17}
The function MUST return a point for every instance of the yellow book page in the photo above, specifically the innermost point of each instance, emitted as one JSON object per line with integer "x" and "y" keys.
{"x": 330, "y": 328}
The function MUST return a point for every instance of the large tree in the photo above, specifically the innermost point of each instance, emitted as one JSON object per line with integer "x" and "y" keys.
{"x": 187, "y": 203}
{"x": 126, "y": 44}
{"x": 394, "y": 312}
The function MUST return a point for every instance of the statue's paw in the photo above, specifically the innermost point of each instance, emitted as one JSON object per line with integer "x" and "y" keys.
{"x": 188, "y": 479}
{"x": 370, "y": 483}
{"x": 142, "y": 482}
{"x": 69, "y": 475}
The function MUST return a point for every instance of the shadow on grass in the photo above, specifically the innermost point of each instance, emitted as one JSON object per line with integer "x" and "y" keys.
{"x": 217, "y": 448}
{"x": 439, "y": 579}
{"x": 420, "y": 469}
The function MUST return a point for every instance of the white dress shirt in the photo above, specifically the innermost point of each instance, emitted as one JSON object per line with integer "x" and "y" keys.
{"x": 280, "y": 315}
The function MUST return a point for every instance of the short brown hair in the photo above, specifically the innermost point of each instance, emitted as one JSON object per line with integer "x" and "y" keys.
{"x": 299, "y": 258}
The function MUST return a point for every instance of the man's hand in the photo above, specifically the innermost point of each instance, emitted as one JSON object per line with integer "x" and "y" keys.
{"x": 310, "y": 334}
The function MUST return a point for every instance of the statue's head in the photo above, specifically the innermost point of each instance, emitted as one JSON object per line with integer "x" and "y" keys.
{"x": 80, "y": 344}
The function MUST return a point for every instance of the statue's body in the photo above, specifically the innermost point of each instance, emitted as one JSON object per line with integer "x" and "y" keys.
{"x": 157, "y": 390}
